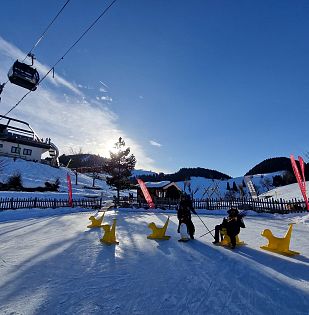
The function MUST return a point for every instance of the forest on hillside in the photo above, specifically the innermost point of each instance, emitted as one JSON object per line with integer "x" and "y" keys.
{"x": 267, "y": 166}
{"x": 185, "y": 174}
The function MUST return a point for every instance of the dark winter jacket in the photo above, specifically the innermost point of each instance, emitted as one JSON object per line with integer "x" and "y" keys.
{"x": 233, "y": 224}
{"x": 185, "y": 208}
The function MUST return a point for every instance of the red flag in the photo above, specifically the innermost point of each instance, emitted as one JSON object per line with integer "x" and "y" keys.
{"x": 70, "y": 200}
{"x": 300, "y": 179}
{"x": 302, "y": 167}
{"x": 146, "y": 193}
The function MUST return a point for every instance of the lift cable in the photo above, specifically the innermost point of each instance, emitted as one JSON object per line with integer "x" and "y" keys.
{"x": 30, "y": 54}
{"x": 60, "y": 59}
{"x": 45, "y": 31}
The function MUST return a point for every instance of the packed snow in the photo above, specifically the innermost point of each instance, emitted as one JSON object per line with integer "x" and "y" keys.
{"x": 51, "y": 263}
{"x": 54, "y": 264}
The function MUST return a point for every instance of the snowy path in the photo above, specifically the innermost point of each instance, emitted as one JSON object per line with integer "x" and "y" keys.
{"x": 55, "y": 265}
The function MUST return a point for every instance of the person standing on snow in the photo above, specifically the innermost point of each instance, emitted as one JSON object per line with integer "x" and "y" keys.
{"x": 184, "y": 214}
{"x": 232, "y": 225}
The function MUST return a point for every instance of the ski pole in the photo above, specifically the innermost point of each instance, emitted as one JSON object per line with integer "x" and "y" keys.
{"x": 242, "y": 213}
{"x": 207, "y": 233}
{"x": 205, "y": 225}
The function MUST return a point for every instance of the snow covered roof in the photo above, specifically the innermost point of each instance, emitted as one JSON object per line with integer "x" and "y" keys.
{"x": 157, "y": 184}
{"x": 164, "y": 184}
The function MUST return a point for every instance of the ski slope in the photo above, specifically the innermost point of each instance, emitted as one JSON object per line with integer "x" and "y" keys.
{"x": 52, "y": 264}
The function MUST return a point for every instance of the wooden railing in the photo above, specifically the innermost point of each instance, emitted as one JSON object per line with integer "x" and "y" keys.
{"x": 258, "y": 205}
{"x": 22, "y": 203}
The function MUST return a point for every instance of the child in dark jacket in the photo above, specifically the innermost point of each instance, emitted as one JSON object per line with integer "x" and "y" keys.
{"x": 232, "y": 225}
{"x": 184, "y": 214}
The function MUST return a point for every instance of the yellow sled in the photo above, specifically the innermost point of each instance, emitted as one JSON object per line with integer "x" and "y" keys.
{"x": 158, "y": 233}
{"x": 95, "y": 223}
{"x": 227, "y": 241}
{"x": 109, "y": 236}
{"x": 279, "y": 245}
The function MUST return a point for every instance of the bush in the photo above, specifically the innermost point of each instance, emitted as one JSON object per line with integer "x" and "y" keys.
{"x": 15, "y": 181}
{"x": 53, "y": 186}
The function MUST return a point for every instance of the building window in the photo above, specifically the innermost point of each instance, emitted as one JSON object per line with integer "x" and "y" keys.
{"x": 1, "y": 145}
{"x": 15, "y": 150}
{"x": 27, "y": 152}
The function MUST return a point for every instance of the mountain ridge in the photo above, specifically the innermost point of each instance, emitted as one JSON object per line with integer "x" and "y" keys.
{"x": 270, "y": 165}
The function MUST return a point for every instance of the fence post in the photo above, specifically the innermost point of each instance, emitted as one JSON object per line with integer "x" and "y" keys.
{"x": 280, "y": 205}
{"x": 207, "y": 204}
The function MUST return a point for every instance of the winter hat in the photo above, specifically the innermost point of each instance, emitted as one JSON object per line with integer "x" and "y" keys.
{"x": 233, "y": 211}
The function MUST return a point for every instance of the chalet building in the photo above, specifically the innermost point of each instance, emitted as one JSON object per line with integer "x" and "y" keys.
{"x": 18, "y": 140}
{"x": 160, "y": 190}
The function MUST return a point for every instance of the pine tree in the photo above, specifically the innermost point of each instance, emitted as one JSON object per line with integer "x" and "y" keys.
{"x": 228, "y": 187}
{"x": 235, "y": 187}
{"x": 119, "y": 167}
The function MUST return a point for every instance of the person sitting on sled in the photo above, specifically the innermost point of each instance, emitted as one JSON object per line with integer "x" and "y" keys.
{"x": 232, "y": 224}
{"x": 184, "y": 213}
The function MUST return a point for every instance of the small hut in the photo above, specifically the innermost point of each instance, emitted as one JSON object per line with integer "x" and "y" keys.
{"x": 160, "y": 190}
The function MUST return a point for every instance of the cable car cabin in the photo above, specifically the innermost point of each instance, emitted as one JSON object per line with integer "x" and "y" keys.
{"x": 24, "y": 75}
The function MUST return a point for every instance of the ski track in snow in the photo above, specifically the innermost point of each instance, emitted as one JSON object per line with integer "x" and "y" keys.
{"x": 55, "y": 265}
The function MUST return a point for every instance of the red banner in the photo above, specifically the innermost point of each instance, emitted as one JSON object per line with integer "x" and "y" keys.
{"x": 146, "y": 193}
{"x": 302, "y": 167}
{"x": 70, "y": 200}
{"x": 300, "y": 177}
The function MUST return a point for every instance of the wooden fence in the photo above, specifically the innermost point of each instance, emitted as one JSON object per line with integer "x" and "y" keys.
{"x": 258, "y": 205}
{"x": 22, "y": 203}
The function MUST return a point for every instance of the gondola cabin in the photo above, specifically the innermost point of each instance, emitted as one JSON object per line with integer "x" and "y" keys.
{"x": 24, "y": 75}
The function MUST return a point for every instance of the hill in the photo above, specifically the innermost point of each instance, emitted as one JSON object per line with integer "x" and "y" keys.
{"x": 271, "y": 165}
{"x": 276, "y": 164}
{"x": 81, "y": 160}
{"x": 36, "y": 174}
{"x": 185, "y": 174}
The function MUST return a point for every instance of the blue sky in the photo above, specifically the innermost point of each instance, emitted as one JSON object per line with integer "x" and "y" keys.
{"x": 215, "y": 84}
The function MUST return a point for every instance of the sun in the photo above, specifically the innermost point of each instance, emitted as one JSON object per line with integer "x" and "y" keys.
{"x": 110, "y": 146}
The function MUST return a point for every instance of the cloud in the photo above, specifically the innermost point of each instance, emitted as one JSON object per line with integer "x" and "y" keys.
{"x": 154, "y": 143}
{"x": 71, "y": 120}
{"x": 103, "y": 90}
{"x": 106, "y": 98}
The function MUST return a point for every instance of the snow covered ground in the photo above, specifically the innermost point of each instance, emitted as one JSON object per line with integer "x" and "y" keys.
{"x": 52, "y": 264}
{"x": 36, "y": 174}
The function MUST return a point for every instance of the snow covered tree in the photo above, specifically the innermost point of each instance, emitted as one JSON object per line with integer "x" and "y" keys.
{"x": 266, "y": 183}
{"x": 119, "y": 167}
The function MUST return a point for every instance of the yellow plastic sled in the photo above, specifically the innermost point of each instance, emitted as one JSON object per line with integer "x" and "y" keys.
{"x": 158, "y": 233}
{"x": 95, "y": 223}
{"x": 279, "y": 245}
{"x": 109, "y": 236}
{"x": 227, "y": 241}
